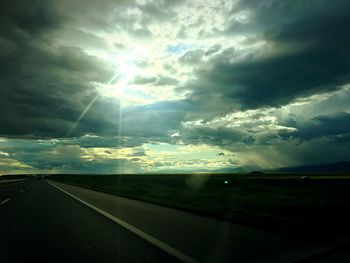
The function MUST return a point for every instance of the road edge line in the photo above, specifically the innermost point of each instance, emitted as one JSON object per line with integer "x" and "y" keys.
{"x": 165, "y": 247}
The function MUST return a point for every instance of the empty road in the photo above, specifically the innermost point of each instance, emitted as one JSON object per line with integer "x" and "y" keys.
{"x": 39, "y": 223}
{"x": 44, "y": 221}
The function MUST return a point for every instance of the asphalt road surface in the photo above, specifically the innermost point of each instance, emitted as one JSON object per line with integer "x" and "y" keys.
{"x": 201, "y": 238}
{"x": 51, "y": 222}
{"x": 39, "y": 223}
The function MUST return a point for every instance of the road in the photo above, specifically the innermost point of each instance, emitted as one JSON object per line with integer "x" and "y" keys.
{"x": 203, "y": 239}
{"x": 39, "y": 223}
{"x": 44, "y": 222}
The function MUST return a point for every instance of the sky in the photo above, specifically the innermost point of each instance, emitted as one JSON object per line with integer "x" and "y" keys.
{"x": 146, "y": 86}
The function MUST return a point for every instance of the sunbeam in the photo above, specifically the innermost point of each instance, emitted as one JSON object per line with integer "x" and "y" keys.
{"x": 87, "y": 108}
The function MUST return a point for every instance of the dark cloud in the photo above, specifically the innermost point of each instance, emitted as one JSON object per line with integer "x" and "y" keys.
{"x": 46, "y": 87}
{"x": 31, "y": 18}
{"x": 90, "y": 141}
{"x": 44, "y": 92}
{"x": 192, "y": 57}
{"x": 103, "y": 15}
{"x": 58, "y": 156}
{"x": 306, "y": 54}
{"x": 121, "y": 15}
{"x": 321, "y": 125}
{"x": 138, "y": 153}
{"x": 343, "y": 140}
{"x": 156, "y": 120}
{"x": 161, "y": 10}
{"x": 221, "y": 136}
{"x": 315, "y": 151}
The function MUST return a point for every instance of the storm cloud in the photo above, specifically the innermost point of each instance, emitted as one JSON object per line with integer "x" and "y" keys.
{"x": 304, "y": 52}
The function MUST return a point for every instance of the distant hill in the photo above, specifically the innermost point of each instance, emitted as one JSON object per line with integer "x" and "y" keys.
{"x": 256, "y": 172}
{"x": 230, "y": 170}
{"x": 339, "y": 167}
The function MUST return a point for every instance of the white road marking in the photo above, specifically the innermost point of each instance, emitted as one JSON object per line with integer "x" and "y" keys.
{"x": 5, "y": 201}
{"x": 153, "y": 240}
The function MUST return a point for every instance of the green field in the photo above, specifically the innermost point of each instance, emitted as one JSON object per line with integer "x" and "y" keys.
{"x": 315, "y": 207}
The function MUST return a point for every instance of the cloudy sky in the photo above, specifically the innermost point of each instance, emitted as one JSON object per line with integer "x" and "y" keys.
{"x": 135, "y": 86}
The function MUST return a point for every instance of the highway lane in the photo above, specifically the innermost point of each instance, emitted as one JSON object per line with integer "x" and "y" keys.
{"x": 202, "y": 238}
{"x": 11, "y": 189}
{"x": 42, "y": 224}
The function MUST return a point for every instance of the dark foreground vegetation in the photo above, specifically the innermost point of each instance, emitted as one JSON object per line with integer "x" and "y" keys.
{"x": 14, "y": 176}
{"x": 314, "y": 206}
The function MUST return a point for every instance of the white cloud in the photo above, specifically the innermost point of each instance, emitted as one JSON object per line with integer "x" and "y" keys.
{"x": 4, "y": 154}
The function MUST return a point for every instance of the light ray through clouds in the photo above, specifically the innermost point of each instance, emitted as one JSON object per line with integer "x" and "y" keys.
{"x": 87, "y": 108}
{"x": 262, "y": 81}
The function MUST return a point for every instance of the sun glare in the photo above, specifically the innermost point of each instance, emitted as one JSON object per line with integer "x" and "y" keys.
{"x": 122, "y": 86}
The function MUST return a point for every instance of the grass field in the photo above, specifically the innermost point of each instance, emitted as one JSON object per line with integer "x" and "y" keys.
{"x": 315, "y": 206}
{"x": 14, "y": 176}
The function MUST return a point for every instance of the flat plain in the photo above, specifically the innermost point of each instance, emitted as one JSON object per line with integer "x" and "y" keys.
{"x": 310, "y": 206}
